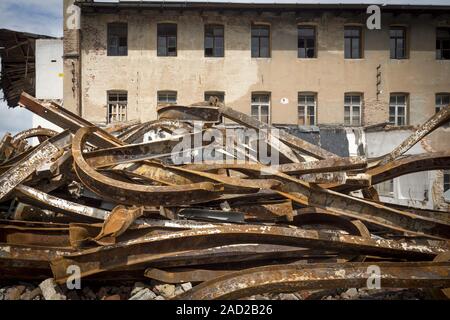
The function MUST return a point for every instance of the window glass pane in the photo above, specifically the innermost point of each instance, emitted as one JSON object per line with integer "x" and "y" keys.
{"x": 264, "y": 50}
{"x": 209, "y": 42}
{"x": 255, "y": 110}
{"x": 255, "y": 47}
{"x": 347, "y": 48}
{"x": 355, "y": 48}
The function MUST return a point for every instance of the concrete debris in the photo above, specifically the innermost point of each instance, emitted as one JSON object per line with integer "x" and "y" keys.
{"x": 186, "y": 286}
{"x": 51, "y": 291}
{"x": 145, "y": 294}
{"x": 165, "y": 290}
{"x": 203, "y": 218}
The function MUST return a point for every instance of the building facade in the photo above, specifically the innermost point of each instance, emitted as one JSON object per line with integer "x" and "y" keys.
{"x": 303, "y": 66}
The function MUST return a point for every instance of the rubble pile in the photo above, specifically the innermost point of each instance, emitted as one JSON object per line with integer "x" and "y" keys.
{"x": 200, "y": 211}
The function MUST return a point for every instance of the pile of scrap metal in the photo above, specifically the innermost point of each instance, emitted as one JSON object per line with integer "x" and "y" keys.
{"x": 118, "y": 208}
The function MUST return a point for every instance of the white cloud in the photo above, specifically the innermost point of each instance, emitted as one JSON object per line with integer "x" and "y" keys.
{"x": 35, "y": 16}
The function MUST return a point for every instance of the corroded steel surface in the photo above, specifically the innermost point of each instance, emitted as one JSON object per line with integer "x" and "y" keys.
{"x": 121, "y": 208}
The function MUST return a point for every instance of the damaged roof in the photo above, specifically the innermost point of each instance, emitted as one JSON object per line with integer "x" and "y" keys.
{"x": 17, "y": 51}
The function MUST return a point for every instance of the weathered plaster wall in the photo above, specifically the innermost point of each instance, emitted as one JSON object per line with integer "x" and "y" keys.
{"x": 142, "y": 73}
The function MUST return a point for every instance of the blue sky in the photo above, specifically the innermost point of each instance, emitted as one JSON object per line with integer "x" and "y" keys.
{"x": 45, "y": 17}
{"x": 35, "y": 16}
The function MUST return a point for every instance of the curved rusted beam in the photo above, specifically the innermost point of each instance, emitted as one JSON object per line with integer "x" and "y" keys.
{"x": 293, "y": 278}
{"x": 189, "y": 113}
{"x": 32, "y": 133}
{"x": 147, "y": 249}
{"x": 440, "y": 118}
{"x": 134, "y": 194}
{"x": 400, "y": 167}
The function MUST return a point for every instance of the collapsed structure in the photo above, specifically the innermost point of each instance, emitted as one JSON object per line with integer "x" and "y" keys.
{"x": 120, "y": 208}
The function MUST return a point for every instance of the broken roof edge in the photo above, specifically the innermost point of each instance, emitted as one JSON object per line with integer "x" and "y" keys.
{"x": 11, "y": 42}
{"x": 27, "y": 34}
{"x": 210, "y": 5}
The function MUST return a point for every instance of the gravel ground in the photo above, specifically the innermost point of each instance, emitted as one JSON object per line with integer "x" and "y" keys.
{"x": 152, "y": 290}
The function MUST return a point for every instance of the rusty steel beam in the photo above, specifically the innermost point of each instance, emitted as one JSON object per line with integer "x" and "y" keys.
{"x": 393, "y": 169}
{"x": 134, "y": 194}
{"x": 207, "y": 114}
{"x": 27, "y": 166}
{"x": 147, "y": 249}
{"x": 290, "y": 140}
{"x": 326, "y": 165}
{"x": 67, "y": 120}
{"x": 304, "y": 194}
{"x": 293, "y": 278}
{"x": 440, "y": 118}
{"x": 32, "y": 133}
{"x": 45, "y": 201}
{"x": 183, "y": 276}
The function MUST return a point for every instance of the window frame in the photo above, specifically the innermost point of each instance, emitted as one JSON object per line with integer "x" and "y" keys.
{"x": 260, "y": 104}
{"x": 269, "y": 41}
{"x": 361, "y": 40}
{"x": 438, "y": 107}
{"x": 117, "y": 102}
{"x": 109, "y": 37}
{"x": 305, "y": 106}
{"x": 314, "y": 28}
{"x": 214, "y": 40}
{"x": 446, "y": 180}
{"x": 166, "y": 37}
{"x": 439, "y": 52}
{"x": 167, "y": 93}
{"x": 351, "y": 107}
{"x": 395, "y": 38}
{"x": 396, "y": 106}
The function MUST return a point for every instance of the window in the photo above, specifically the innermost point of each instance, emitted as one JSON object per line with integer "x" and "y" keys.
{"x": 217, "y": 94}
{"x": 167, "y": 97}
{"x": 260, "y": 41}
{"x": 261, "y": 107}
{"x": 397, "y": 109}
{"x": 117, "y": 39}
{"x": 353, "y": 48}
{"x": 446, "y": 181}
{"x": 306, "y": 42}
{"x": 352, "y": 109}
{"x": 214, "y": 41}
{"x": 442, "y": 100}
{"x": 117, "y": 106}
{"x": 443, "y": 43}
{"x": 306, "y": 109}
{"x": 398, "y": 42}
{"x": 167, "y": 40}
{"x": 386, "y": 188}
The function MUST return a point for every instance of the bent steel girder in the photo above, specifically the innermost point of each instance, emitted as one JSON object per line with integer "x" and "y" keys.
{"x": 437, "y": 120}
{"x": 189, "y": 113}
{"x": 45, "y": 201}
{"x": 290, "y": 140}
{"x": 169, "y": 126}
{"x": 147, "y": 249}
{"x": 67, "y": 120}
{"x": 135, "y": 152}
{"x": 345, "y": 205}
{"x": 32, "y": 133}
{"x": 326, "y": 165}
{"x": 27, "y": 165}
{"x": 293, "y": 278}
{"x": 134, "y": 194}
{"x": 366, "y": 211}
{"x": 408, "y": 164}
